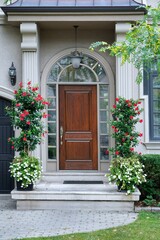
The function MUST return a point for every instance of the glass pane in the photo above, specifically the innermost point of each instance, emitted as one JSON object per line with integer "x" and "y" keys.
{"x": 156, "y": 106}
{"x": 89, "y": 61}
{"x": 104, "y": 140}
{"x": 156, "y": 130}
{"x": 103, "y": 115}
{"x": 156, "y": 94}
{"x": 51, "y": 127}
{"x": 65, "y": 61}
{"x": 104, "y": 154}
{"x": 52, "y": 153}
{"x": 51, "y": 91}
{"x": 103, "y": 128}
{"x": 103, "y": 103}
{"x": 156, "y": 119}
{"x": 54, "y": 72}
{"x": 82, "y": 74}
{"x": 101, "y": 73}
{"x": 104, "y": 91}
{"x": 51, "y": 115}
{"x": 52, "y": 140}
{"x": 156, "y": 82}
{"x": 52, "y": 102}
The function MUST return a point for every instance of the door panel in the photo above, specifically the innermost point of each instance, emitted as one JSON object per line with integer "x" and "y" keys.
{"x": 6, "y": 154}
{"x": 78, "y": 120}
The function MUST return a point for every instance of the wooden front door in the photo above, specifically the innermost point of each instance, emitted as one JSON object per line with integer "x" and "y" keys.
{"x": 6, "y": 153}
{"x": 78, "y": 127}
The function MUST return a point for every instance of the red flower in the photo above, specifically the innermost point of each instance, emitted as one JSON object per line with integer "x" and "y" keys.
{"x": 28, "y": 122}
{"x": 138, "y": 113}
{"x": 117, "y": 99}
{"x": 140, "y": 134}
{"x": 26, "y": 112}
{"x": 45, "y": 115}
{"x": 127, "y": 101}
{"x": 29, "y": 83}
{"x": 131, "y": 149}
{"x": 126, "y": 134}
{"x": 12, "y": 147}
{"x": 117, "y": 152}
{"x": 24, "y": 139}
{"x": 123, "y": 139}
{"x": 116, "y": 130}
{"x": 135, "y": 104}
{"x": 106, "y": 152}
{"x": 15, "y": 92}
{"x": 140, "y": 153}
{"x": 18, "y": 104}
{"x": 113, "y": 127}
{"x": 24, "y": 94}
{"x": 136, "y": 109}
{"x": 34, "y": 89}
{"x": 21, "y": 118}
{"x": 20, "y": 85}
{"x": 139, "y": 102}
{"x": 45, "y": 103}
{"x": 141, "y": 120}
{"x": 131, "y": 117}
{"x": 114, "y": 106}
{"x": 129, "y": 104}
{"x": 131, "y": 138}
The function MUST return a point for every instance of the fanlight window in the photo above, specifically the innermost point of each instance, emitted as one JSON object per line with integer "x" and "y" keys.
{"x": 90, "y": 71}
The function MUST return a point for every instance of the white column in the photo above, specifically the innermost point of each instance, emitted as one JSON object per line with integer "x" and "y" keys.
{"x": 126, "y": 85}
{"x": 30, "y": 53}
{"x": 30, "y": 58}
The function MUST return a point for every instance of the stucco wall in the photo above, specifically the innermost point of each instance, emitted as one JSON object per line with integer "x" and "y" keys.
{"x": 55, "y": 41}
{"x": 10, "y": 40}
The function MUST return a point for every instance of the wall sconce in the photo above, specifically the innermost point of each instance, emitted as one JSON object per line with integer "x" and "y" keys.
{"x": 76, "y": 56}
{"x": 12, "y": 74}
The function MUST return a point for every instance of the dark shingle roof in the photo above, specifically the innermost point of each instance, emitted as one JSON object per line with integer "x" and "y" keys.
{"x": 72, "y": 5}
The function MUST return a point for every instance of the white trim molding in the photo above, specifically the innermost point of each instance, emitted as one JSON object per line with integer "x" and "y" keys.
{"x": 6, "y": 93}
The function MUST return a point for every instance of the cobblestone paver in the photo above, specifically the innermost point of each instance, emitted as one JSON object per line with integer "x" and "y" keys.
{"x": 16, "y": 224}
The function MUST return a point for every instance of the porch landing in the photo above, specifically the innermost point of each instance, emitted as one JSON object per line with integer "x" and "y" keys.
{"x": 51, "y": 193}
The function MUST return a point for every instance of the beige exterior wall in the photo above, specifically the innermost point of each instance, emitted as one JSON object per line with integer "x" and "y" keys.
{"x": 55, "y": 41}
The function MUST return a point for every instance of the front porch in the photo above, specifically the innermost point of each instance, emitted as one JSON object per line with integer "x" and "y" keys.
{"x": 97, "y": 193}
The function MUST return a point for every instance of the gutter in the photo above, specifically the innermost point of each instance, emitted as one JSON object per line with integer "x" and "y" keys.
{"x": 9, "y": 9}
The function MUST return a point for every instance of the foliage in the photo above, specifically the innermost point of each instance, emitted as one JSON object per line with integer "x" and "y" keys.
{"x": 26, "y": 114}
{"x": 146, "y": 227}
{"x": 141, "y": 46}
{"x": 25, "y": 169}
{"x": 151, "y": 188}
{"x": 149, "y": 201}
{"x": 127, "y": 173}
{"x": 125, "y": 116}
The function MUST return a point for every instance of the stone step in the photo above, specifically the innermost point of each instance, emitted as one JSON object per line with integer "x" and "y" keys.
{"x": 60, "y": 177}
{"x": 51, "y": 195}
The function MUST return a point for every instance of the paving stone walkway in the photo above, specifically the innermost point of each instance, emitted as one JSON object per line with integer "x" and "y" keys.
{"x": 16, "y": 224}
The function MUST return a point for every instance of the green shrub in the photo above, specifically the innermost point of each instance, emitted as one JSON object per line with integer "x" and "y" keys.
{"x": 151, "y": 187}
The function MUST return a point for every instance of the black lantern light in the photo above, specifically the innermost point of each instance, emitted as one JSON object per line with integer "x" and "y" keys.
{"x": 76, "y": 56}
{"x": 12, "y": 74}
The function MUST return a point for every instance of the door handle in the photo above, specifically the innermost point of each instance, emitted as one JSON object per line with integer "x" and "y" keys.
{"x": 61, "y": 135}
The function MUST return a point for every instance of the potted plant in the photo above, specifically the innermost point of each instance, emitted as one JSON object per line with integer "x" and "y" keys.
{"x": 125, "y": 169}
{"x": 26, "y": 113}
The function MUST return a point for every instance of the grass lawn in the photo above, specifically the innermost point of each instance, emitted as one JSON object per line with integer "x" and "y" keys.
{"x": 146, "y": 227}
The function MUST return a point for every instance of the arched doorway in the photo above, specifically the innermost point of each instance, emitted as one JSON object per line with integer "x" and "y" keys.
{"x": 78, "y": 121}
{"x": 6, "y": 153}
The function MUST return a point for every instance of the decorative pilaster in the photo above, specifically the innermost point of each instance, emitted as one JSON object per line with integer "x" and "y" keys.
{"x": 30, "y": 58}
{"x": 126, "y": 85}
{"x": 30, "y": 52}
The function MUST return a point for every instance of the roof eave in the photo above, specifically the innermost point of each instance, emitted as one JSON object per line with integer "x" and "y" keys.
{"x": 10, "y": 9}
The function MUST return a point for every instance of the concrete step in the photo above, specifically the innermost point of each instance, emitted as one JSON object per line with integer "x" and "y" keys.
{"x": 60, "y": 177}
{"x": 50, "y": 195}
